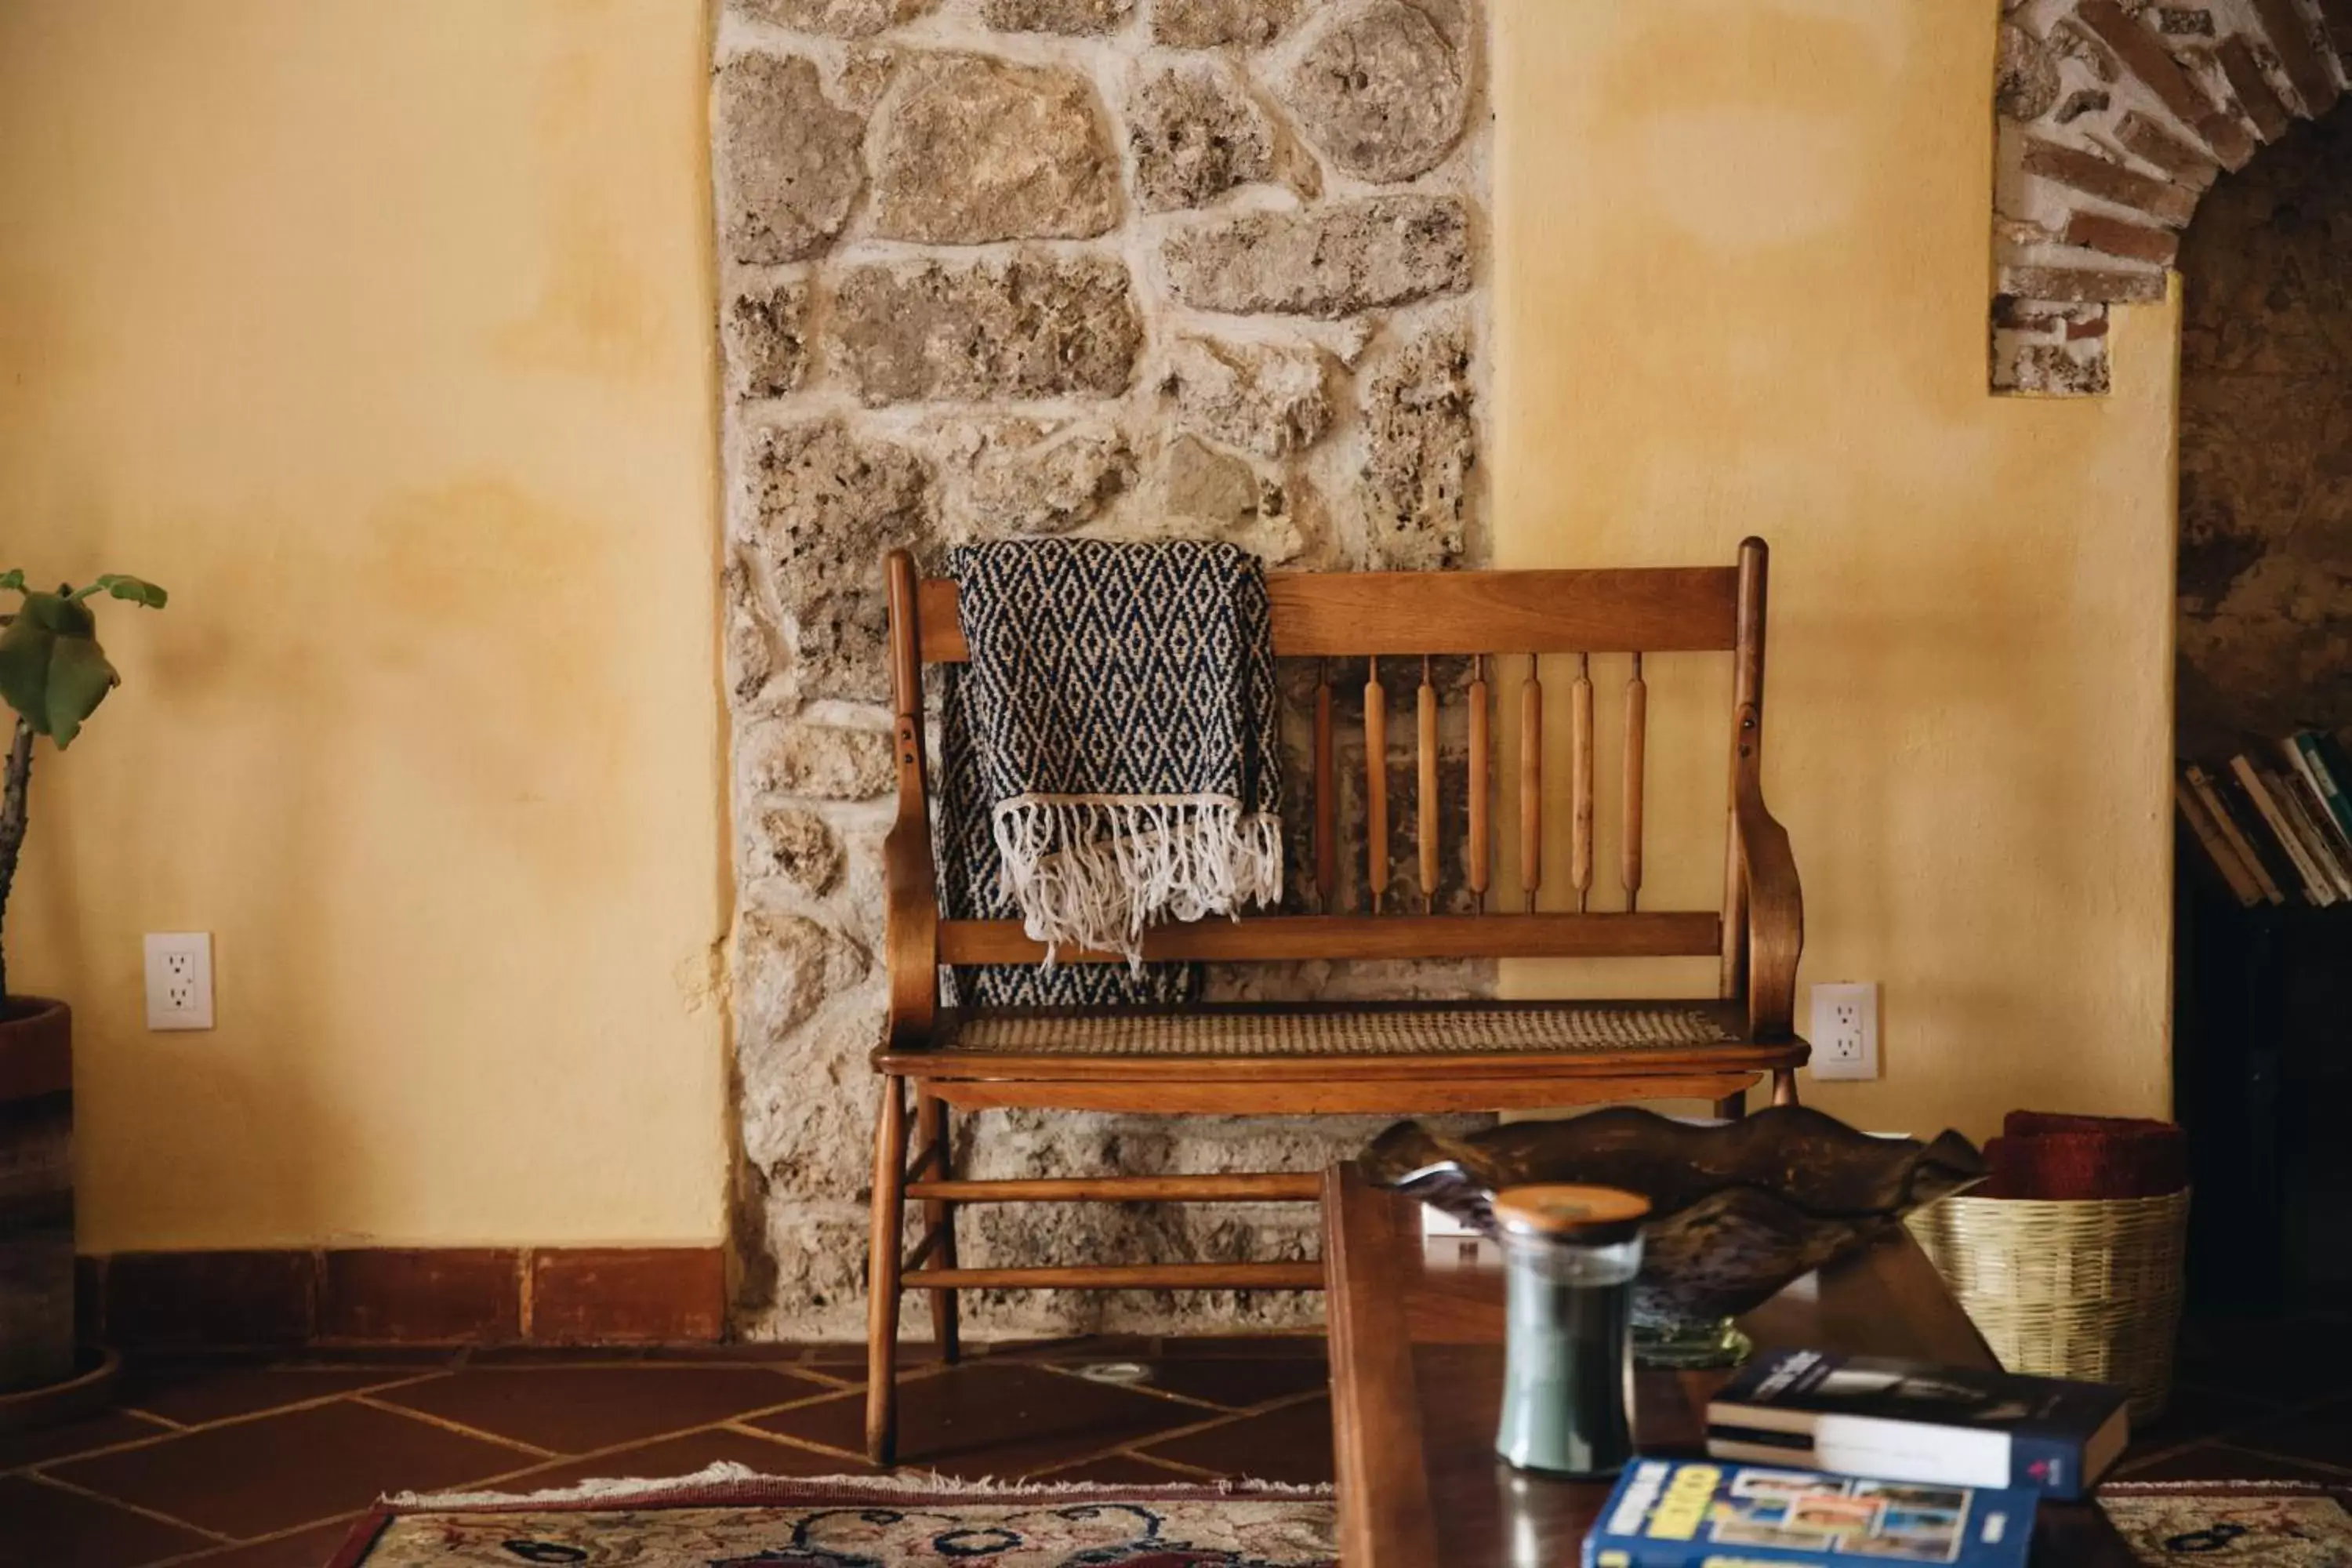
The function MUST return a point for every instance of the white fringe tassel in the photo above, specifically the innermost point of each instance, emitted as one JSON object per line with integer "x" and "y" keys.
{"x": 1092, "y": 871}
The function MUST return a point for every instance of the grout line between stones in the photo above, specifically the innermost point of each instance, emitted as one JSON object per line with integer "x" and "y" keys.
{"x": 156, "y": 1514}
{"x": 206, "y": 1554}
{"x": 1175, "y": 1467}
{"x": 459, "y": 1428}
{"x": 1187, "y": 1400}
{"x": 1225, "y": 1418}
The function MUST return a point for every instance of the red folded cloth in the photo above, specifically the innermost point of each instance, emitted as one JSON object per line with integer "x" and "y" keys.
{"x": 2043, "y": 1155}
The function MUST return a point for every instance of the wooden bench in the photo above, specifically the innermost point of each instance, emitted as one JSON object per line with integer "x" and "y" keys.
{"x": 1358, "y": 1058}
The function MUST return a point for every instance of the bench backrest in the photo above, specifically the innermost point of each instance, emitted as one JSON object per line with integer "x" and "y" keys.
{"x": 1400, "y": 620}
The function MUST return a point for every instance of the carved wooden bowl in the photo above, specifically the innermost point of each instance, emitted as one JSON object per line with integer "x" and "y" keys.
{"x": 1739, "y": 1209}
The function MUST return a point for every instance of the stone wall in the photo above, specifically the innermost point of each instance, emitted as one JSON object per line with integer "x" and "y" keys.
{"x": 2116, "y": 116}
{"x": 2266, "y": 448}
{"x": 1125, "y": 268}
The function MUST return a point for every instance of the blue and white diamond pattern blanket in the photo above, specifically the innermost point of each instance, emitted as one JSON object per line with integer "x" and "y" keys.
{"x": 1112, "y": 752}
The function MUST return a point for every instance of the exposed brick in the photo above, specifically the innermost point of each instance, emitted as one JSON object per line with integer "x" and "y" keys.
{"x": 2185, "y": 21}
{"x": 2338, "y": 13}
{"x": 2255, "y": 95}
{"x": 2146, "y": 138}
{"x": 2298, "y": 55}
{"x": 2083, "y": 285}
{"x": 2012, "y": 314}
{"x": 2096, "y": 231}
{"x": 2144, "y": 54}
{"x": 2076, "y": 42}
{"x": 2231, "y": 143}
{"x": 2089, "y": 173}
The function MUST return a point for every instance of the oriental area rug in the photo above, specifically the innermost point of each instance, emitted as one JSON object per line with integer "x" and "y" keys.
{"x": 728, "y": 1517}
{"x": 2241, "y": 1524}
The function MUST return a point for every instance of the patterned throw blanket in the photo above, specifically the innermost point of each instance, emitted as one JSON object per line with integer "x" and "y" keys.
{"x": 1110, "y": 755}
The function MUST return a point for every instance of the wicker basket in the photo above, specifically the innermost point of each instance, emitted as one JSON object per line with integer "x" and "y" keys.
{"x": 2086, "y": 1289}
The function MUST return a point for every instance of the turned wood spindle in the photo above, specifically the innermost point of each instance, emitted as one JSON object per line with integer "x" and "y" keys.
{"x": 1327, "y": 795}
{"x": 1376, "y": 783}
{"x": 1426, "y": 793}
{"x": 1637, "y": 720}
{"x": 1531, "y": 780}
{"x": 1581, "y": 786}
{"x": 1479, "y": 847}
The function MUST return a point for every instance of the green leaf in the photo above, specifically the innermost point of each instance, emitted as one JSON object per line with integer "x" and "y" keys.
{"x": 60, "y": 615}
{"x": 80, "y": 679}
{"x": 24, "y": 650}
{"x": 135, "y": 589}
{"x": 13, "y": 578}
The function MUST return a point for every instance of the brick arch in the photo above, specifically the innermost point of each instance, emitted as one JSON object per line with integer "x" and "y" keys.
{"x": 2116, "y": 117}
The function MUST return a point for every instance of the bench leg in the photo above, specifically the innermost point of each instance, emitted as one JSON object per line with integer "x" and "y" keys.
{"x": 1732, "y": 1106}
{"x": 934, "y": 1136}
{"x": 882, "y": 1274}
{"x": 1784, "y": 1086}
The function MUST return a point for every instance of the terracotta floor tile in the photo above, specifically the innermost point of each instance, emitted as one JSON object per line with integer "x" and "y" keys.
{"x": 2279, "y": 1361}
{"x": 1121, "y": 1469}
{"x": 1079, "y": 1347}
{"x": 303, "y": 1549}
{"x": 195, "y": 1393}
{"x": 1234, "y": 1384}
{"x": 560, "y": 1355}
{"x": 991, "y": 1418}
{"x": 48, "y": 1527}
{"x": 100, "y": 1431}
{"x": 254, "y": 1477}
{"x": 2320, "y": 1433}
{"x": 2198, "y": 1413}
{"x": 849, "y": 1361}
{"x": 419, "y": 1358}
{"x": 765, "y": 1352}
{"x": 1292, "y": 1443}
{"x": 672, "y": 1456}
{"x": 2219, "y": 1462}
{"x": 1280, "y": 1347}
{"x": 574, "y": 1409}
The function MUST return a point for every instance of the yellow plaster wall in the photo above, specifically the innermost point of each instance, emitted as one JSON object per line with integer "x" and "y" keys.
{"x": 378, "y": 334}
{"x": 1740, "y": 280}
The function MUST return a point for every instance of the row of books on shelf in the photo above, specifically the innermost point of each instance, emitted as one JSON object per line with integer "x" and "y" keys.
{"x": 2275, "y": 824}
{"x": 1821, "y": 1459}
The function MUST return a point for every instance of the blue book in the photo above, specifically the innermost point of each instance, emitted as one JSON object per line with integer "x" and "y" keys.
{"x": 1909, "y": 1421}
{"x": 1689, "y": 1513}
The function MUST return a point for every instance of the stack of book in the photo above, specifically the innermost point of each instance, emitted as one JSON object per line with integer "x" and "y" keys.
{"x": 2275, "y": 826}
{"x": 1824, "y": 1459}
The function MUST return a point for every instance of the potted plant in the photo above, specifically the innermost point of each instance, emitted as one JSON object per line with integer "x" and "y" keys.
{"x": 53, "y": 674}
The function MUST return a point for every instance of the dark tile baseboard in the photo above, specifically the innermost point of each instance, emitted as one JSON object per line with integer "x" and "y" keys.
{"x": 436, "y": 1296}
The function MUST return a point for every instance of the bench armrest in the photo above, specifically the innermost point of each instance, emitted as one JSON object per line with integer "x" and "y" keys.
{"x": 909, "y": 883}
{"x": 1776, "y": 912}
{"x": 911, "y": 934}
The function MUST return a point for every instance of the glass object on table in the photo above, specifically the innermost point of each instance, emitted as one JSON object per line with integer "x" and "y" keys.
{"x": 1570, "y": 1256}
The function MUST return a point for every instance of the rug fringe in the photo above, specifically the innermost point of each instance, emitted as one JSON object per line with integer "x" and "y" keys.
{"x": 726, "y": 1473}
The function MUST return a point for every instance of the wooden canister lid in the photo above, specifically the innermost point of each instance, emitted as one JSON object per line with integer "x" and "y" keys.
{"x": 1594, "y": 1216}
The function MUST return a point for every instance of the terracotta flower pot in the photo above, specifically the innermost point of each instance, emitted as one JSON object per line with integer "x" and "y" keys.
{"x": 37, "y": 1216}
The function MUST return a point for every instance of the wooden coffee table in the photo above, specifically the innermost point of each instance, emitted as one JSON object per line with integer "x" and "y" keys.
{"x": 1417, "y": 1378}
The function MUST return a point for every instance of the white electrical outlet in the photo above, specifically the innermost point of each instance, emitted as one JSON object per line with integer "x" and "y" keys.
{"x": 179, "y": 980}
{"x": 1845, "y": 1030}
